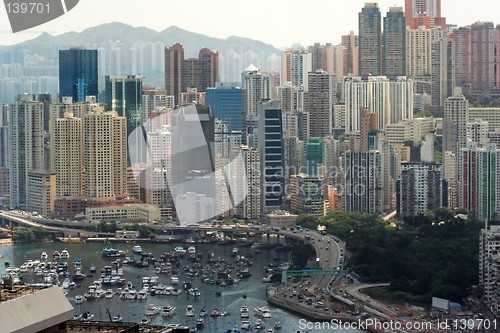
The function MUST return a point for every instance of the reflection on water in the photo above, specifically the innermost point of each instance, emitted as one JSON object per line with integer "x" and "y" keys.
{"x": 249, "y": 292}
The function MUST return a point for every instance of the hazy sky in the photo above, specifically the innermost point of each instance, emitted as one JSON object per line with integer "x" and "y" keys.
{"x": 277, "y": 22}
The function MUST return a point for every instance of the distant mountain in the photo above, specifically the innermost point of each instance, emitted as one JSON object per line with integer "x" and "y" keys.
{"x": 48, "y": 45}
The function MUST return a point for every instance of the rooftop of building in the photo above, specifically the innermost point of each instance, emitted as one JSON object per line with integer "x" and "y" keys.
{"x": 281, "y": 213}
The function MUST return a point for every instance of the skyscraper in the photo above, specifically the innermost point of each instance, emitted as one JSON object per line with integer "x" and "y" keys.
{"x": 314, "y": 156}
{"x": 322, "y": 57}
{"x": 123, "y": 95}
{"x": 180, "y": 73}
{"x": 425, "y": 13}
{"x": 456, "y": 117}
{"x": 104, "y": 156}
{"x": 295, "y": 64}
{"x": 394, "y": 54}
{"x": 271, "y": 154}
{"x": 319, "y": 101}
{"x": 26, "y": 147}
{"x": 392, "y": 101}
{"x": 351, "y": 44}
{"x": 78, "y": 74}
{"x": 370, "y": 40}
{"x": 479, "y": 181}
{"x": 193, "y": 157}
{"x": 227, "y": 102}
{"x": 67, "y": 156}
{"x": 420, "y": 189}
{"x": 362, "y": 182}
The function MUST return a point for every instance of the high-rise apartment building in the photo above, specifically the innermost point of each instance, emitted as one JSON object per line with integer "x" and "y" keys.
{"x": 456, "y": 116}
{"x": 295, "y": 64}
{"x": 104, "y": 155}
{"x": 370, "y": 40}
{"x": 420, "y": 189}
{"x": 319, "y": 101}
{"x": 391, "y": 100}
{"x": 394, "y": 39}
{"x": 322, "y": 57}
{"x": 159, "y": 171}
{"x": 478, "y": 180}
{"x": 362, "y": 182}
{"x": 193, "y": 160}
{"x": 425, "y": 13}
{"x": 155, "y": 101}
{"x": 181, "y": 73}
{"x": 258, "y": 87}
{"x": 26, "y": 147}
{"x": 78, "y": 74}
{"x": 489, "y": 266}
{"x": 67, "y": 145}
{"x": 350, "y": 62}
{"x": 307, "y": 194}
{"x": 271, "y": 154}
{"x": 250, "y": 207}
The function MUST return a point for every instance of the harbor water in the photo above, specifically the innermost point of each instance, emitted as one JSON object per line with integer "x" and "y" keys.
{"x": 248, "y": 292}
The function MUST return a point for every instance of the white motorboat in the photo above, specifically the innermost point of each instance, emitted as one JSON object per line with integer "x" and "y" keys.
{"x": 44, "y": 256}
{"x": 191, "y": 250}
{"x": 244, "y": 312}
{"x": 263, "y": 311}
{"x": 79, "y": 299}
{"x": 137, "y": 249}
{"x": 195, "y": 292}
{"x": 152, "y": 310}
{"x": 168, "y": 311}
{"x": 180, "y": 250}
{"x": 259, "y": 325}
{"x": 174, "y": 280}
{"x": 190, "y": 311}
{"x": 64, "y": 254}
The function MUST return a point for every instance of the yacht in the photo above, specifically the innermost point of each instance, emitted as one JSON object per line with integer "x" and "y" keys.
{"x": 111, "y": 252}
{"x": 109, "y": 293}
{"x": 44, "y": 256}
{"x": 56, "y": 255}
{"x": 142, "y": 294}
{"x": 168, "y": 310}
{"x": 152, "y": 310}
{"x": 259, "y": 325}
{"x": 189, "y": 311}
{"x": 64, "y": 254}
{"x": 200, "y": 322}
{"x": 180, "y": 250}
{"x": 215, "y": 313}
{"x": 117, "y": 319}
{"x": 174, "y": 280}
{"x": 195, "y": 292}
{"x": 263, "y": 311}
{"x": 245, "y": 324}
{"x": 87, "y": 316}
{"x": 244, "y": 312}
{"x": 137, "y": 249}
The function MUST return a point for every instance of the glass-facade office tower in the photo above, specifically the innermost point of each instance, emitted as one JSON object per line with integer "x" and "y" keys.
{"x": 370, "y": 40}
{"x": 78, "y": 74}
